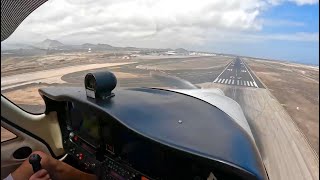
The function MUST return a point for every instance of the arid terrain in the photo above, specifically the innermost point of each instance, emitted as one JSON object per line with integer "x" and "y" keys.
{"x": 280, "y": 100}
{"x": 297, "y": 89}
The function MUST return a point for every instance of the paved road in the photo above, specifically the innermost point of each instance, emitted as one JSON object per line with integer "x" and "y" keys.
{"x": 49, "y": 76}
{"x": 238, "y": 74}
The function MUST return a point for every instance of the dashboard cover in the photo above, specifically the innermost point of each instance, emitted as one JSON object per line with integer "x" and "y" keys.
{"x": 175, "y": 120}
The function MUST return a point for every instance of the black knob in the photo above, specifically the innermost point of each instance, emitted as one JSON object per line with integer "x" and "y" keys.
{"x": 34, "y": 160}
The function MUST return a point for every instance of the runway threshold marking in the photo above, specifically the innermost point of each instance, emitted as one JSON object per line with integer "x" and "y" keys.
{"x": 236, "y": 80}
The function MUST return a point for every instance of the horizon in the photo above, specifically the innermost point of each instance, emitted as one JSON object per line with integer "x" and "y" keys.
{"x": 190, "y": 50}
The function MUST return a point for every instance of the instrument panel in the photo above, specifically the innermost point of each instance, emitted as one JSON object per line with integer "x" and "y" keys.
{"x": 105, "y": 147}
{"x": 147, "y": 133}
{"x": 102, "y": 146}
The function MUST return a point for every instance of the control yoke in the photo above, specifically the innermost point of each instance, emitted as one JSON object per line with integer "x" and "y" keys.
{"x": 34, "y": 160}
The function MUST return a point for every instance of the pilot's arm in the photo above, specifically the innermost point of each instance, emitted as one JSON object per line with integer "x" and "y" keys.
{"x": 51, "y": 169}
{"x": 40, "y": 175}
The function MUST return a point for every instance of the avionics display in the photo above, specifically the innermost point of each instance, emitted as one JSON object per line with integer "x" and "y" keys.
{"x": 90, "y": 129}
{"x": 86, "y": 124}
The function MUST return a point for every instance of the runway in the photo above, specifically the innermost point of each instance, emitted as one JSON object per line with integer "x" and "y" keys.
{"x": 237, "y": 73}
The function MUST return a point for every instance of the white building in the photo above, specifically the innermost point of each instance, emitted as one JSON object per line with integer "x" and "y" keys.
{"x": 171, "y": 53}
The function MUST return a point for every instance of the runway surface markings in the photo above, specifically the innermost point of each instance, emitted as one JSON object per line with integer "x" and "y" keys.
{"x": 236, "y": 73}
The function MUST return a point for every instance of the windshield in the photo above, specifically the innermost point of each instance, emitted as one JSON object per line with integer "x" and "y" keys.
{"x": 256, "y": 51}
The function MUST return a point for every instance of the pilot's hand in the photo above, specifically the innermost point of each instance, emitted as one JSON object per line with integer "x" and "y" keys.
{"x": 41, "y": 175}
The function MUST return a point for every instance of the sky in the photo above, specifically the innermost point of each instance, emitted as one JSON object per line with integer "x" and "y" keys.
{"x": 273, "y": 29}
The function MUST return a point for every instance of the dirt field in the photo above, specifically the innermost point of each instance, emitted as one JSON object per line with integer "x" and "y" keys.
{"x": 296, "y": 87}
{"x": 19, "y": 65}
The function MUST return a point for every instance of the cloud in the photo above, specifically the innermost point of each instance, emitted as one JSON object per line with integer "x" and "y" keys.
{"x": 281, "y": 22}
{"x": 63, "y": 19}
{"x": 300, "y": 36}
{"x": 298, "y": 2}
{"x": 253, "y": 38}
{"x": 150, "y": 23}
{"x": 305, "y": 2}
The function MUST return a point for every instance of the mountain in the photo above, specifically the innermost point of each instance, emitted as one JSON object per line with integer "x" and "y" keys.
{"x": 97, "y": 46}
{"x": 7, "y": 46}
{"x": 181, "y": 50}
{"x": 48, "y": 44}
{"x": 105, "y": 47}
{"x": 88, "y": 45}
